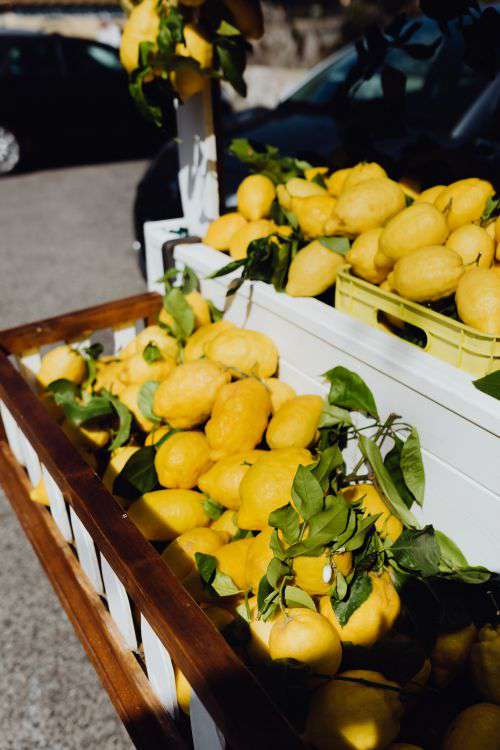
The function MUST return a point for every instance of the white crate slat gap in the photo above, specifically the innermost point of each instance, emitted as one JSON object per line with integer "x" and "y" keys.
{"x": 123, "y": 335}
{"x": 205, "y": 732}
{"x": 13, "y": 433}
{"x": 29, "y": 366}
{"x": 160, "y": 669}
{"x": 58, "y": 506}
{"x": 87, "y": 553}
{"x": 31, "y": 460}
{"x": 119, "y": 604}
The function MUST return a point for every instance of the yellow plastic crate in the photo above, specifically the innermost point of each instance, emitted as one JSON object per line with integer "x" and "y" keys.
{"x": 450, "y": 340}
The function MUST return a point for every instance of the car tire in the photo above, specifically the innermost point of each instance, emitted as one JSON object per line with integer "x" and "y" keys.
{"x": 10, "y": 151}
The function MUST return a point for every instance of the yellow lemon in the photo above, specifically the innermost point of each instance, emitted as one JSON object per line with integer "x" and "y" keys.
{"x": 313, "y": 172}
{"x": 254, "y": 230}
{"x": 156, "y": 434}
{"x": 182, "y": 459}
{"x": 136, "y": 370}
{"x": 239, "y": 418}
{"x": 420, "y": 225}
{"x": 450, "y": 653}
{"x": 222, "y": 481}
{"x": 309, "y": 571}
{"x": 129, "y": 396}
{"x": 308, "y": 637}
{"x": 476, "y": 728}
{"x": 473, "y": 244}
{"x": 244, "y": 352}
{"x": 168, "y": 346}
{"x": 258, "y": 647}
{"x": 279, "y": 391}
{"x": 369, "y": 205}
{"x": 335, "y": 183}
{"x": 464, "y": 201}
{"x": 199, "y": 306}
{"x": 117, "y": 462}
{"x": 247, "y": 16}
{"x": 186, "y": 80}
{"x": 198, "y": 46}
{"x": 431, "y": 194}
{"x": 485, "y": 663}
{"x": 163, "y": 515}
{"x": 232, "y": 560}
{"x": 478, "y": 299}
{"x": 347, "y": 715}
{"x": 300, "y": 188}
{"x": 86, "y": 437}
{"x": 226, "y": 523}
{"x": 180, "y": 553}
{"x": 141, "y": 26}
{"x": 363, "y": 172}
{"x": 312, "y": 213}
{"x": 295, "y": 425}
{"x": 313, "y": 270}
{"x": 195, "y": 345}
{"x": 62, "y": 362}
{"x": 258, "y": 558}
{"x": 186, "y": 398}
{"x": 362, "y": 256}
{"x": 428, "y": 274}
{"x": 108, "y": 377}
{"x": 222, "y": 230}
{"x": 373, "y": 504}
{"x": 255, "y": 197}
{"x": 38, "y": 493}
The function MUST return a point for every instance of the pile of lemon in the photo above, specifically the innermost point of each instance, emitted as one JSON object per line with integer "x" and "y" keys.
{"x": 438, "y": 246}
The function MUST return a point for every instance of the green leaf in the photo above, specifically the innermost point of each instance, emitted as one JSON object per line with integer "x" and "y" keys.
{"x": 137, "y": 82}
{"x": 417, "y": 551}
{"x": 490, "y": 384}
{"x": 213, "y": 509}
{"x": 350, "y": 391}
{"x": 332, "y": 416}
{"x": 330, "y": 459}
{"x": 276, "y": 546}
{"x": 269, "y": 162}
{"x": 276, "y": 570}
{"x": 93, "y": 351}
{"x": 166, "y": 437}
{"x": 206, "y": 565}
{"x": 91, "y": 354}
{"x": 230, "y": 52}
{"x": 215, "y": 313}
{"x": 307, "y": 494}
{"x": 263, "y": 592}
{"x": 66, "y": 395}
{"x": 391, "y": 496}
{"x": 324, "y": 528}
{"x": 281, "y": 265}
{"x": 224, "y": 585}
{"x": 229, "y": 268}
{"x": 363, "y": 528}
{"x": 339, "y": 245}
{"x": 189, "y": 280}
{"x": 359, "y": 591}
{"x": 472, "y": 575}
{"x": 145, "y": 400}
{"x": 412, "y": 466}
{"x": 124, "y": 421}
{"x": 392, "y": 463}
{"x": 341, "y": 586}
{"x": 454, "y": 564}
{"x": 63, "y": 391}
{"x": 295, "y": 597}
{"x": 227, "y": 29}
{"x": 151, "y": 353}
{"x": 287, "y": 520}
{"x": 138, "y": 475}
{"x": 491, "y": 210}
{"x": 182, "y": 313}
{"x": 409, "y": 201}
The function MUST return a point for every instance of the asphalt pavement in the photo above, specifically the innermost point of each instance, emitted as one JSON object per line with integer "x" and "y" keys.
{"x": 65, "y": 243}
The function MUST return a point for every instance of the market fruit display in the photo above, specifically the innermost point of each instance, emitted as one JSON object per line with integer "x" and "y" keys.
{"x": 311, "y": 565}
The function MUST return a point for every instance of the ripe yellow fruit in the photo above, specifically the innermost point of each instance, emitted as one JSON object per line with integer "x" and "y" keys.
{"x": 308, "y": 637}
{"x": 473, "y": 244}
{"x": 255, "y": 197}
{"x": 198, "y": 46}
{"x": 254, "y": 230}
{"x": 108, "y": 377}
{"x": 300, "y": 188}
{"x": 156, "y": 435}
{"x": 431, "y": 194}
{"x": 363, "y": 172}
{"x": 420, "y": 225}
{"x": 226, "y": 523}
{"x": 86, "y": 437}
{"x": 163, "y": 515}
{"x": 186, "y": 398}
{"x": 369, "y": 205}
{"x": 168, "y": 346}
{"x": 485, "y": 663}
{"x": 279, "y": 391}
{"x": 346, "y": 715}
{"x": 335, "y": 183}
{"x": 141, "y": 26}
{"x": 239, "y": 418}
{"x": 267, "y": 486}
{"x": 247, "y": 16}
{"x": 295, "y": 425}
{"x": 362, "y": 255}
{"x": 222, "y": 481}
{"x": 136, "y": 371}
{"x": 373, "y": 619}
{"x": 450, "y": 654}
{"x": 312, "y": 213}
{"x": 62, "y": 362}
{"x": 185, "y": 79}
{"x": 373, "y": 504}
{"x": 258, "y": 558}
{"x": 313, "y": 270}
{"x": 245, "y": 352}
{"x": 119, "y": 458}
{"x": 428, "y": 274}
{"x": 478, "y": 299}
{"x": 309, "y": 571}
{"x": 313, "y": 172}
{"x": 129, "y": 397}
{"x": 476, "y": 728}
{"x": 195, "y": 345}
{"x": 232, "y": 560}
{"x": 222, "y": 230}
{"x": 182, "y": 459}
{"x": 464, "y": 201}
{"x": 180, "y": 554}
{"x": 199, "y": 306}
{"x": 38, "y": 493}
{"x": 258, "y": 647}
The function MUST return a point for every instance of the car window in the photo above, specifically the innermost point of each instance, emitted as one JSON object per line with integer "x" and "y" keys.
{"x": 87, "y": 58}
{"x": 30, "y": 57}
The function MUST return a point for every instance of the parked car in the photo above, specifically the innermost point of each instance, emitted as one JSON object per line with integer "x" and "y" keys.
{"x": 65, "y": 101}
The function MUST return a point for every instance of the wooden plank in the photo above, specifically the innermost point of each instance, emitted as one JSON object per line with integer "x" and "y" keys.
{"x": 128, "y": 687}
{"x": 79, "y": 323}
{"x": 229, "y": 691}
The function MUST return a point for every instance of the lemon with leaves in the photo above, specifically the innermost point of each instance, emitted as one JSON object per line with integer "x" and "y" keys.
{"x": 232, "y": 561}
{"x": 198, "y": 305}
{"x": 180, "y": 553}
{"x": 182, "y": 459}
{"x": 141, "y": 26}
{"x": 163, "y": 515}
{"x": 62, "y": 362}
{"x": 222, "y": 481}
{"x": 295, "y": 425}
{"x": 475, "y": 728}
{"x": 137, "y": 369}
{"x": 255, "y": 197}
{"x": 313, "y": 270}
{"x": 129, "y": 396}
{"x": 478, "y": 299}
{"x": 195, "y": 345}
{"x": 222, "y": 230}
{"x": 156, "y": 336}
{"x": 485, "y": 663}
{"x": 307, "y": 637}
{"x": 464, "y": 202}
{"x": 253, "y": 230}
{"x": 259, "y": 557}
{"x": 119, "y": 458}
{"x": 373, "y": 505}
{"x": 260, "y": 630}
{"x": 419, "y": 225}
{"x": 310, "y": 572}
{"x": 245, "y": 352}
{"x": 428, "y": 274}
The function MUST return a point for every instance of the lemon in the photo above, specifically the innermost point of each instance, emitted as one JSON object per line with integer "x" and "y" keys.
{"x": 163, "y": 515}
{"x": 428, "y": 274}
{"x": 363, "y": 172}
{"x": 258, "y": 647}
{"x": 310, "y": 571}
{"x": 362, "y": 256}
{"x": 186, "y": 398}
{"x": 255, "y": 197}
{"x": 313, "y": 212}
{"x": 245, "y": 352}
{"x": 497, "y": 229}
{"x": 129, "y": 397}
{"x": 450, "y": 654}
{"x": 411, "y": 189}
{"x": 180, "y": 553}
{"x": 141, "y": 26}
{"x": 308, "y": 637}
{"x": 226, "y": 523}
{"x": 335, "y": 183}
{"x": 267, "y": 486}
{"x": 232, "y": 560}
{"x": 156, "y": 434}
{"x": 198, "y": 305}
{"x": 369, "y": 205}
{"x": 222, "y": 481}
{"x": 86, "y": 437}
{"x": 374, "y": 618}
{"x": 485, "y": 663}
{"x": 38, "y": 493}
{"x": 62, "y": 362}
{"x": 420, "y": 225}
{"x": 300, "y": 188}
{"x": 431, "y": 194}
{"x": 247, "y": 15}
{"x": 279, "y": 391}
{"x": 239, "y": 418}
{"x": 182, "y": 459}
{"x": 295, "y": 425}
{"x": 478, "y": 299}
{"x": 185, "y": 79}
{"x": 254, "y": 230}
{"x": 168, "y": 346}
{"x": 464, "y": 201}
{"x": 108, "y": 377}
{"x": 195, "y": 345}
{"x": 473, "y": 244}
{"x": 198, "y": 46}
{"x": 373, "y": 504}
{"x": 313, "y": 270}
{"x": 258, "y": 558}
{"x": 222, "y": 230}
{"x": 136, "y": 371}
{"x": 313, "y": 172}
{"x": 117, "y": 462}
{"x": 346, "y": 715}
{"x": 476, "y": 728}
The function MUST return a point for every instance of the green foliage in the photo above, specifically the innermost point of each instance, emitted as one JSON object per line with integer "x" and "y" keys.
{"x": 145, "y": 400}
{"x": 490, "y": 384}
{"x": 213, "y": 509}
{"x": 269, "y": 162}
{"x": 339, "y": 245}
{"x": 357, "y": 593}
{"x": 350, "y": 391}
{"x": 138, "y": 475}
{"x": 151, "y": 353}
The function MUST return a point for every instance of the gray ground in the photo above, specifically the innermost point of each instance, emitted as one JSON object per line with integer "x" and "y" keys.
{"x": 65, "y": 243}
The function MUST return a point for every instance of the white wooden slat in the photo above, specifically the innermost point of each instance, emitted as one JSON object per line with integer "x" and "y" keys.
{"x": 31, "y": 460}
{"x": 206, "y": 734}
{"x": 119, "y": 604}
{"x": 159, "y": 668}
{"x": 123, "y": 335}
{"x": 87, "y": 553}
{"x": 29, "y": 366}
{"x": 13, "y": 433}
{"x": 58, "y": 506}
{"x": 156, "y": 233}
